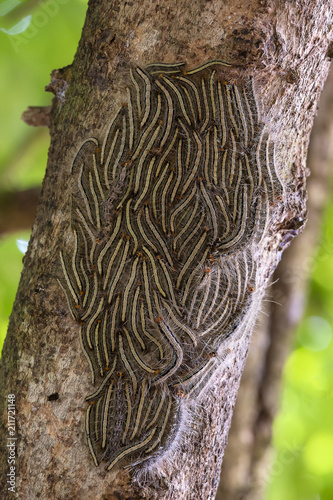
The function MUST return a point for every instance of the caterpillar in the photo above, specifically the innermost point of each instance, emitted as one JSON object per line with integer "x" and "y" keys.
{"x": 165, "y": 212}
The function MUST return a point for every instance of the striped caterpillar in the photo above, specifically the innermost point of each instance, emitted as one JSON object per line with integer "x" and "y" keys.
{"x": 165, "y": 213}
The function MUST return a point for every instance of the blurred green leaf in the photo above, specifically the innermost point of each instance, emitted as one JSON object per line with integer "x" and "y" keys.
{"x": 7, "y": 6}
{"x": 19, "y": 27}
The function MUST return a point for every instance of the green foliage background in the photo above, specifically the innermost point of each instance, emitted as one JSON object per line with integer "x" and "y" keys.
{"x": 303, "y": 430}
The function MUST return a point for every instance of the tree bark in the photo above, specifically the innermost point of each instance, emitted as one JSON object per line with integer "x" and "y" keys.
{"x": 247, "y": 461}
{"x": 283, "y": 47}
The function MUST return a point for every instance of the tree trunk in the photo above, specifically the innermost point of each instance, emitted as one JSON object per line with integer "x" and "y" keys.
{"x": 247, "y": 461}
{"x": 269, "y": 94}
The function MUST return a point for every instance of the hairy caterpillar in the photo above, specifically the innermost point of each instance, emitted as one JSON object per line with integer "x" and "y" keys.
{"x": 164, "y": 215}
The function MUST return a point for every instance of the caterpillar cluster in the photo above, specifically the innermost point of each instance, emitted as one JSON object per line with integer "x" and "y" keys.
{"x": 165, "y": 213}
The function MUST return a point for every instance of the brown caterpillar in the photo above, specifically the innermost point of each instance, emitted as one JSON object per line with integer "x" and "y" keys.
{"x": 164, "y": 217}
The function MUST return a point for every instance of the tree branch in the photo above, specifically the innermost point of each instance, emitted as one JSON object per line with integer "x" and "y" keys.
{"x": 18, "y": 210}
{"x": 37, "y": 116}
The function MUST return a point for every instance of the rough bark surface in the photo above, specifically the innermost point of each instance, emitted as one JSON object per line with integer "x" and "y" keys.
{"x": 247, "y": 461}
{"x": 37, "y": 116}
{"x": 284, "y": 46}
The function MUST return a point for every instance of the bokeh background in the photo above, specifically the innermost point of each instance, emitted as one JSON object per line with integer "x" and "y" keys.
{"x": 37, "y": 37}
